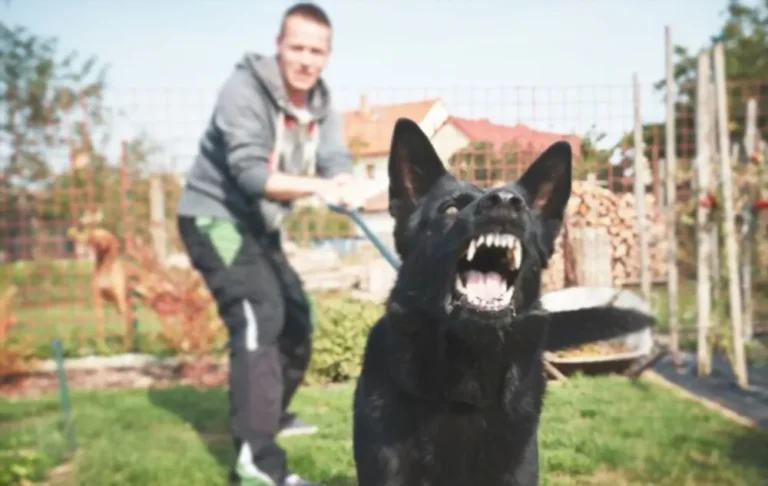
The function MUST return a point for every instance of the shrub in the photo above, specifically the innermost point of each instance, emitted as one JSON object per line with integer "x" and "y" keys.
{"x": 341, "y": 328}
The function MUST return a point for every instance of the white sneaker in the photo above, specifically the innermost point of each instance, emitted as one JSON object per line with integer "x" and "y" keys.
{"x": 291, "y": 425}
{"x": 296, "y": 480}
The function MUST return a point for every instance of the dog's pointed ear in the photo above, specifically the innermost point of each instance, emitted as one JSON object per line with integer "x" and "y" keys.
{"x": 547, "y": 183}
{"x": 414, "y": 167}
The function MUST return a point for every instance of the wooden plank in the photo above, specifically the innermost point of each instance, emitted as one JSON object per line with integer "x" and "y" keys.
{"x": 704, "y": 240}
{"x": 642, "y": 227}
{"x": 729, "y": 223}
{"x": 592, "y": 252}
{"x": 747, "y": 236}
{"x": 656, "y": 378}
{"x": 670, "y": 199}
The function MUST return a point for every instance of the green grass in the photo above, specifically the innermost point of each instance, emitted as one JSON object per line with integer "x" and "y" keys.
{"x": 596, "y": 431}
{"x": 72, "y": 318}
{"x": 75, "y": 325}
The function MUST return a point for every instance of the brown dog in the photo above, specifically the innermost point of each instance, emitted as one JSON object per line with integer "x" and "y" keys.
{"x": 110, "y": 277}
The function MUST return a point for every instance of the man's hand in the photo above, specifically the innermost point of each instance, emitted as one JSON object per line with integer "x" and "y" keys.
{"x": 349, "y": 193}
{"x": 343, "y": 190}
{"x": 344, "y": 178}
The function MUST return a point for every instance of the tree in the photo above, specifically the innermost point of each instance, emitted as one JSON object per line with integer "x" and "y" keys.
{"x": 38, "y": 88}
{"x": 745, "y": 41}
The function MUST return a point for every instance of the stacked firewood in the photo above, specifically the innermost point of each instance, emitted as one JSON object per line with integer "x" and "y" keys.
{"x": 626, "y": 256}
{"x": 592, "y": 206}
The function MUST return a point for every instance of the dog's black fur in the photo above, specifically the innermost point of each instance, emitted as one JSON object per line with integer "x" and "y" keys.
{"x": 451, "y": 394}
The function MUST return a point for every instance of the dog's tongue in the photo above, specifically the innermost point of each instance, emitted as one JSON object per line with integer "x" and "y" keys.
{"x": 485, "y": 285}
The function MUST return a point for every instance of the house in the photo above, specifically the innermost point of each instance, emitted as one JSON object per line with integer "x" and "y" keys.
{"x": 368, "y": 130}
{"x": 457, "y": 134}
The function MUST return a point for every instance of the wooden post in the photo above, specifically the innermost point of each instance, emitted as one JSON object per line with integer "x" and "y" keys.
{"x": 158, "y": 225}
{"x": 670, "y": 201}
{"x": 732, "y": 249}
{"x": 703, "y": 224}
{"x": 761, "y": 231}
{"x": 642, "y": 226}
{"x": 714, "y": 185}
{"x": 592, "y": 251}
{"x": 747, "y": 236}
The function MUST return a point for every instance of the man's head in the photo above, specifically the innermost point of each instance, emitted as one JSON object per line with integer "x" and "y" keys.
{"x": 303, "y": 46}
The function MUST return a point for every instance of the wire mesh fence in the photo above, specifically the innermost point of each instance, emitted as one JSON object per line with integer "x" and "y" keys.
{"x": 90, "y": 252}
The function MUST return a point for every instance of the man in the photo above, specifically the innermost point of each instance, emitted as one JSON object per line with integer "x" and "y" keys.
{"x": 273, "y": 137}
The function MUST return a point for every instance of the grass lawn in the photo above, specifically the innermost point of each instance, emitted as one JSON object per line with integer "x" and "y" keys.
{"x": 75, "y": 325}
{"x": 67, "y": 318}
{"x": 596, "y": 431}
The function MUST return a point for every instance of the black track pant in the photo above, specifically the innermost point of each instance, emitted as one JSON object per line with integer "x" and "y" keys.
{"x": 267, "y": 313}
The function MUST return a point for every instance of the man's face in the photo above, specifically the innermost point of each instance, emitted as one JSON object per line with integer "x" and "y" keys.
{"x": 303, "y": 50}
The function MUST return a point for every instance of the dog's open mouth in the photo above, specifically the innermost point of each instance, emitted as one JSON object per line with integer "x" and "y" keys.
{"x": 487, "y": 271}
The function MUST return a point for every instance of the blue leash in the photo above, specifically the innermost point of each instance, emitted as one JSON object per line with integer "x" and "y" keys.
{"x": 385, "y": 252}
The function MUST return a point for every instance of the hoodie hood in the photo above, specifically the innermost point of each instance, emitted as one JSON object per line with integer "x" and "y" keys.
{"x": 266, "y": 71}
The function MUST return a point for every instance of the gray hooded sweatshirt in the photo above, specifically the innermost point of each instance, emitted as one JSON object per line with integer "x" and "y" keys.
{"x": 255, "y": 130}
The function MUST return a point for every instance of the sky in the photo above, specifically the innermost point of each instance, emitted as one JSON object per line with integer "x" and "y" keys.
{"x": 562, "y": 65}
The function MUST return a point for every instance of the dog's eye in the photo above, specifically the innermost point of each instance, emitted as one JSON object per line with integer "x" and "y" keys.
{"x": 451, "y": 210}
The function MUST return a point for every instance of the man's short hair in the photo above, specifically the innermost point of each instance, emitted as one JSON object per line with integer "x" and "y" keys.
{"x": 306, "y": 10}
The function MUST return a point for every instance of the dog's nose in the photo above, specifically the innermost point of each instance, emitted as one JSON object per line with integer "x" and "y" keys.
{"x": 501, "y": 199}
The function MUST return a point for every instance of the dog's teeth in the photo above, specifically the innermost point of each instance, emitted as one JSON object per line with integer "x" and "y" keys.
{"x": 518, "y": 253}
{"x": 512, "y": 256}
{"x": 507, "y": 297}
{"x": 471, "y": 251}
{"x": 460, "y": 286}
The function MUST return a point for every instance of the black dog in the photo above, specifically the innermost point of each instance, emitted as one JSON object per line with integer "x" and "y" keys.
{"x": 452, "y": 380}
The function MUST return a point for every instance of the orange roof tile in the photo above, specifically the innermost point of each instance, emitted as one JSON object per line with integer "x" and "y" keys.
{"x": 527, "y": 138}
{"x": 371, "y": 126}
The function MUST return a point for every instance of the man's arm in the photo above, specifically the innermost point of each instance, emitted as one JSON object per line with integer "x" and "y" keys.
{"x": 241, "y": 117}
{"x": 333, "y": 157}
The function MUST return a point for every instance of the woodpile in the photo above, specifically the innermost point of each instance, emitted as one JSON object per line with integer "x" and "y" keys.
{"x": 592, "y": 206}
